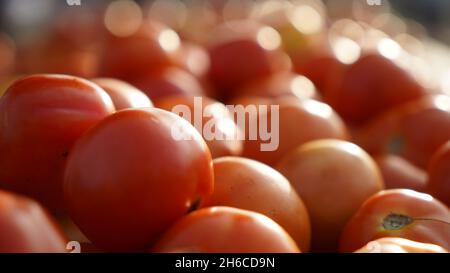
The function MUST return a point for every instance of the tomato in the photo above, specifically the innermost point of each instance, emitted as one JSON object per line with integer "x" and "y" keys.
{"x": 369, "y": 86}
{"x": 167, "y": 82}
{"x": 398, "y": 173}
{"x": 247, "y": 184}
{"x": 225, "y": 229}
{"x": 399, "y": 245}
{"x": 212, "y": 112}
{"x": 299, "y": 122}
{"x": 41, "y": 118}
{"x": 281, "y": 84}
{"x": 257, "y": 47}
{"x": 398, "y": 213}
{"x": 123, "y": 94}
{"x": 151, "y": 47}
{"x": 333, "y": 178}
{"x": 26, "y": 227}
{"x": 135, "y": 177}
{"x": 414, "y": 130}
{"x": 439, "y": 174}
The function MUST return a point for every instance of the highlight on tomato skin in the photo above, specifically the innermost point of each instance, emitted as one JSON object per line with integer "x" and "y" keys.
{"x": 399, "y": 245}
{"x": 26, "y": 227}
{"x": 135, "y": 178}
{"x": 42, "y": 116}
{"x": 398, "y": 213}
{"x": 225, "y": 230}
{"x": 248, "y": 184}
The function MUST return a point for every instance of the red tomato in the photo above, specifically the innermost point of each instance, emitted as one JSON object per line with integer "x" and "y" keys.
{"x": 151, "y": 47}
{"x": 281, "y": 84}
{"x": 439, "y": 174}
{"x": 41, "y": 118}
{"x": 398, "y": 173}
{"x": 333, "y": 178}
{"x": 299, "y": 122}
{"x": 247, "y": 184}
{"x": 399, "y": 245}
{"x": 398, "y": 213}
{"x": 26, "y": 227}
{"x": 223, "y": 230}
{"x": 168, "y": 82}
{"x": 123, "y": 94}
{"x": 414, "y": 130}
{"x": 369, "y": 86}
{"x": 130, "y": 178}
{"x": 217, "y": 114}
{"x": 242, "y": 51}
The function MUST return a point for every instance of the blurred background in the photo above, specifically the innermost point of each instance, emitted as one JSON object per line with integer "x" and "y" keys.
{"x": 66, "y": 36}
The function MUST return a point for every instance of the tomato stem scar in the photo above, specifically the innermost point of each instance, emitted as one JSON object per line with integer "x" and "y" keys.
{"x": 395, "y": 221}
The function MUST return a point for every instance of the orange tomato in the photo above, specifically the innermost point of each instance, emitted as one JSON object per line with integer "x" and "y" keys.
{"x": 299, "y": 122}
{"x": 128, "y": 178}
{"x": 230, "y": 143}
{"x": 257, "y": 47}
{"x": 25, "y": 227}
{"x": 398, "y": 213}
{"x": 333, "y": 178}
{"x": 247, "y": 184}
{"x": 123, "y": 95}
{"x": 398, "y": 173}
{"x": 151, "y": 47}
{"x": 369, "y": 86}
{"x": 414, "y": 130}
{"x": 225, "y": 229}
{"x": 168, "y": 81}
{"x": 399, "y": 245}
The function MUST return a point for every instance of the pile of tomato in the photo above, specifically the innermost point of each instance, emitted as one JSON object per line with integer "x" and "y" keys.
{"x": 87, "y": 151}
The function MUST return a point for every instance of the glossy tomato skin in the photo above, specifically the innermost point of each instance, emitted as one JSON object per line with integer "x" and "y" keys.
{"x": 135, "y": 178}
{"x": 333, "y": 178}
{"x": 123, "y": 94}
{"x": 247, "y": 184}
{"x": 398, "y": 173}
{"x": 414, "y": 130}
{"x": 369, "y": 222}
{"x": 370, "y": 86}
{"x": 399, "y": 245}
{"x": 42, "y": 116}
{"x": 25, "y": 227}
{"x": 226, "y": 230}
{"x": 230, "y": 144}
{"x": 150, "y": 48}
{"x": 238, "y": 40}
{"x": 299, "y": 121}
{"x": 169, "y": 81}
{"x": 438, "y": 183}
